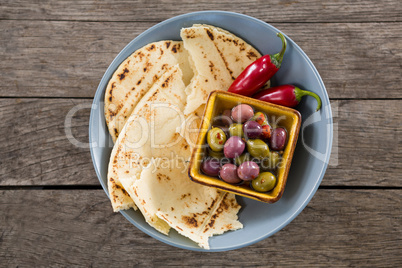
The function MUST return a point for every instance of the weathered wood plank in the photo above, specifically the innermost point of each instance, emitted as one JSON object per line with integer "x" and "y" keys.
{"x": 34, "y": 148}
{"x": 78, "y": 228}
{"x": 367, "y": 140}
{"x": 68, "y": 59}
{"x": 274, "y": 11}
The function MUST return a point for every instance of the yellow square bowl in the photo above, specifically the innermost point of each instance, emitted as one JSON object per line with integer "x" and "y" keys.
{"x": 219, "y": 101}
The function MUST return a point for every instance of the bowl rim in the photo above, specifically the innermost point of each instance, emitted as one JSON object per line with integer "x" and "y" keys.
{"x": 320, "y": 174}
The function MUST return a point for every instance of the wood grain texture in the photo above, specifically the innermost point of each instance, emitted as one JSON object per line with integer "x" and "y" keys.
{"x": 139, "y": 10}
{"x": 367, "y": 143}
{"x": 68, "y": 59}
{"x": 34, "y": 148}
{"x": 78, "y": 228}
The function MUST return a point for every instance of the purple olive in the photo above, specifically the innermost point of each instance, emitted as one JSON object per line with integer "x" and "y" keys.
{"x": 252, "y": 129}
{"x": 211, "y": 167}
{"x": 234, "y": 147}
{"x": 248, "y": 171}
{"x": 223, "y": 120}
{"x": 242, "y": 112}
{"x": 277, "y": 142}
{"x": 228, "y": 173}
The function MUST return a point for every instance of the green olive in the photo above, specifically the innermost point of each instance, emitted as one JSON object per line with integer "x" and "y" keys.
{"x": 216, "y": 138}
{"x": 236, "y": 130}
{"x": 217, "y": 155}
{"x": 257, "y": 148}
{"x": 271, "y": 162}
{"x": 260, "y": 118}
{"x": 242, "y": 158}
{"x": 264, "y": 182}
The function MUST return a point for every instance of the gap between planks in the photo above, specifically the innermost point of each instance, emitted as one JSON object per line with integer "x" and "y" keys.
{"x": 99, "y": 187}
{"x": 159, "y": 21}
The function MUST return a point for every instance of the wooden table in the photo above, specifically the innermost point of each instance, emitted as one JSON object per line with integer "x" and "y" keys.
{"x": 53, "y": 212}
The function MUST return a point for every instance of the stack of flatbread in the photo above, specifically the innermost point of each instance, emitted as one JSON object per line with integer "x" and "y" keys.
{"x": 153, "y": 106}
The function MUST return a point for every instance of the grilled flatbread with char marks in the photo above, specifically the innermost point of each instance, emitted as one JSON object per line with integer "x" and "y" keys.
{"x": 136, "y": 75}
{"x": 193, "y": 210}
{"x": 150, "y": 132}
{"x": 217, "y": 58}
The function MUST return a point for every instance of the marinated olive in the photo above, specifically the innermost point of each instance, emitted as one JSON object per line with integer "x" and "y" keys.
{"x": 260, "y": 118}
{"x": 236, "y": 129}
{"x": 224, "y": 119}
{"x": 257, "y": 148}
{"x": 217, "y": 155}
{"x": 234, "y": 147}
{"x": 227, "y": 113}
{"x": 248, "y": 171}
{"x": 252, "y": 129}
{"x": 277, "y": 142}
{"x": 264, "y": 182}
{"x": 242, "y": 158}
{"x": 216, "y": 139}
{"x": 271, "y": 162}
{"x": 242, "y": 112}
{"x": 228, "y": 173}
{"x": 211, "y": 166}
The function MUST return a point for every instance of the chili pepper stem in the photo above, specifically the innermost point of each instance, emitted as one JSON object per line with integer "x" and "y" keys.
{"x": 277, "y": 58}
{"x": 299, "y": 93}
{"x": 284, "y": 44}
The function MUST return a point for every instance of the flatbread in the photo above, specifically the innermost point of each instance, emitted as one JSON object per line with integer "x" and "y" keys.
{"x": 144, "y": 104}
{"x": 191, "y": 127}
{"x": 193, "y": 210}
{"x": 217, "y": 58}
{"x": 151, "y": 131}
{"x": 136, "y": 75}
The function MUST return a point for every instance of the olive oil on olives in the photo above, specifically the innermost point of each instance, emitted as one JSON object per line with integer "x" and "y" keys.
{"x": 260, "y": 118}
{"x": 270, "y": 162}
{"x": 216, "y": 139}
{"x": 214, "y": 154}
{"x": 239, "y": 149}
{"x": 257, "y": 148}
{"x": 236, "y": 129}
{"x": 265, "y": 182}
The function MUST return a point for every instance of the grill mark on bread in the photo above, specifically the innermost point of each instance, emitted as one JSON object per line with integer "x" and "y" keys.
{"x": 224, "y": 61}
{"x": 151, "y": 48}
{"x": 190, "y": 33}
{"x": 123, "y": 74}
{"x": 190, "y": 221}
{"x": 251, "y": 55}
{"x": 210, "y": 35}
{"x": 161, "y": 176}
{"x": 165, "y": 83}
{"x": 174, "y": 48}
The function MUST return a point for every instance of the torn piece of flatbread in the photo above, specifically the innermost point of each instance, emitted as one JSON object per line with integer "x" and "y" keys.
{"x": 149, "y": 132}
{"x": 217, "y": 58}
{"x": 136, "y": 75}
{"x": 198, "y": 212}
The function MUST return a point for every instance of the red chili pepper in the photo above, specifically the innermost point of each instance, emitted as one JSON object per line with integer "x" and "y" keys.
{"x": 266, "y": 131}
{"x": 285, "y": 95}
{"x": 258, "y": 73}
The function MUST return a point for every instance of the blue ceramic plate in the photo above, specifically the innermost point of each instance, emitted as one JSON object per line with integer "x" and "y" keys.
{"x": 311, "y": 156}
